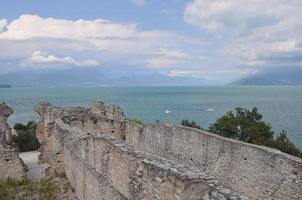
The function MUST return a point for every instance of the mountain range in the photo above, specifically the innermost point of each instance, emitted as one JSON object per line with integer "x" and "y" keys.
{"x": 81, "y": 77}
{"x": 273, "y": 76}
{"x": 89, "y": 77}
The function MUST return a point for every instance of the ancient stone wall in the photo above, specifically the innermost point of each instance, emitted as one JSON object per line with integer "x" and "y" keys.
{"x": 105, "y": 156}
{"x": 10, "y": 163}
{"x": 108, "y": 169}
{"x": 259, "y": 172}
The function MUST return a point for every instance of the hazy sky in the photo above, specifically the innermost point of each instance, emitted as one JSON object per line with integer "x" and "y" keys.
{"x": 214, "y": 39}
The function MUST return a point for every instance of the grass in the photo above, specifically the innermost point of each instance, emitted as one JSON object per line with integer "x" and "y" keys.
{"x": 137, "y": 121}
{"x": 47, "y": 189}
{"x": 11, "y": 189}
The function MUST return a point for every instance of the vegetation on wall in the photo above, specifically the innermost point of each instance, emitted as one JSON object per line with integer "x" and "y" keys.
{"x": 191, "y": 124}
{"x": 248, "y": 126}
{"x": 23, "y": 190}
{"x": 25, "y": 137}
{"x": 137, "y": 121}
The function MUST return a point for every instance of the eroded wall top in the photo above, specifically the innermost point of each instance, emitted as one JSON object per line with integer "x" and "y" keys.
{"x": 10, "y": 163}
{"x": 255, "y": 171}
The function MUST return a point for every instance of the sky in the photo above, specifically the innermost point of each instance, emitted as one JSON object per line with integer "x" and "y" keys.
{"x": 220, "y": 40}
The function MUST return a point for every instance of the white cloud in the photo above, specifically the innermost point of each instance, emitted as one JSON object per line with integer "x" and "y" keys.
{"x": 3, "y": 24}
{"x": 33, "y": 26}
{"x": 44, "y": 58}
{"x": 240, "y": 15}
{"x": 166, "y": 57}
{"x": 89, "y": 63}
{"x": 159, "y": 62}
{"x": 171, "y": 53}
{"x": 139, "y": 2}
{"x": 252, "y": 33}
{"x": 86, "y": 35}
{"x": 181, "y": 73}
{"x": 100, "y": 39}
{"x": 285, "y": 46}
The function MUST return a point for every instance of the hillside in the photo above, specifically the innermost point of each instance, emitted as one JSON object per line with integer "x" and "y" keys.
{"x": 66, "y": 77}
{"x": 285, "y": 76}
{"x": 85, "y": 77}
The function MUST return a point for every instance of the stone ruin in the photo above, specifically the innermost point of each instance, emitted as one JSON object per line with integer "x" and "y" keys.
{"x": 10, "y": 163}
{"x": 105, "y": 156}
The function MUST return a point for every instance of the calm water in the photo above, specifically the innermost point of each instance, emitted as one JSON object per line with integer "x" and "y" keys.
{"x": 281, "y": 106}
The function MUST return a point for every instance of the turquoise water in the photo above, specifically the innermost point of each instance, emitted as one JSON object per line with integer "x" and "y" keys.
{"x": 281, "y": 106}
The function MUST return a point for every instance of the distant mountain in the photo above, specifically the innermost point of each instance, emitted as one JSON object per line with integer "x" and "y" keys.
{"x": 53, "y": 78}
{"x": 284, "y": 76}
{"x": 156, "y": 79}
{"x": 5, "y": 86}
{"x": 84, "y": 77}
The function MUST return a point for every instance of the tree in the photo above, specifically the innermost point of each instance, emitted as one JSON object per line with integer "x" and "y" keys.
{"x": 248, "y": 126}
{"x": 25, "y": 137}
{"x": 284, "y": 144}
{"x": 191, "y": 124}
{"x": 244, "y": 125}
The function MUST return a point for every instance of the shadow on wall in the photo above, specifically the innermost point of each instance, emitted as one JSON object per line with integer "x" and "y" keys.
{"x": 104, "y": 153}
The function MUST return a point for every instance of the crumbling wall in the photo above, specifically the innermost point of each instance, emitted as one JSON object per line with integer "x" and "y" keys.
{"x": 105, "y": 156}
{"x": 101, "y": 167}
{"x": 97, "y": 118}
{"x": 10, "y": 163}
{"x": 259, "y": 172}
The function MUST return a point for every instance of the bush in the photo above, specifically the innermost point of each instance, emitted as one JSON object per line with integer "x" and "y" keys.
{"x": 46, "y": 189}
{"x": 137, "y": 121}
{"x": 243, "y": 125}
{"x": 191, "y": 124}
{"x": 248, "y": 126}
{"x": 284, "y": 144}
{"x": 25, "y": 137}
{"x": 9, "y": 189}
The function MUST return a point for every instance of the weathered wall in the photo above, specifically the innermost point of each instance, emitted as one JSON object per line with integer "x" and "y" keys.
{"x": 10, "y": 163}
{"x": 100, "y": 167}
{"x": 259, "y": 172}
{"x": 89, "y": 145}
{"x": 97, "y": 118}
{"x": 108, "y": 169}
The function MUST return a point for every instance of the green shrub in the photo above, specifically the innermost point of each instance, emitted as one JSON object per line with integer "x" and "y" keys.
{"x": 191, "y": 124}
{"x": 248, "y": 126}
{"x": 47, "y": 189}
{"x": 244, "y": 125}
{"x": 137, "y": 121}
{"x": 282, "y": 143}
{"x": 25, "y": 137}
{"x": 8, "y": 189}
{"x": 11, "y": 189}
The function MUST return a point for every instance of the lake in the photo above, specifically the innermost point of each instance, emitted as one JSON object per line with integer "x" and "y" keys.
{"x": 281, "y": 106}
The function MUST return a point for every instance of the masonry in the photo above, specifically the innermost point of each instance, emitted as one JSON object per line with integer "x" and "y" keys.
{"x": 105, "y": 156}
{"x": 10, "y": 163}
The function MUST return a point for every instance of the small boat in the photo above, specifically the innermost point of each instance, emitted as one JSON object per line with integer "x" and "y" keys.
{"x": 210, "y": 110}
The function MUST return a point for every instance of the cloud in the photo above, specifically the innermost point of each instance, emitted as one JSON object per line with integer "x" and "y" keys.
{"x": 166, "y": 57}
{"x": 44, "y": 58}
{"x": 251, "y": 33}
{"x": 181, "y": 73}
{"x": 86, "y": 35}
{"x": 101, "y": 40}
{"x": 3, "y": 24}
{"x": 33, "y": 26}
{"x": 139, "y": 2}
{"x": 239, "y": 15}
